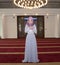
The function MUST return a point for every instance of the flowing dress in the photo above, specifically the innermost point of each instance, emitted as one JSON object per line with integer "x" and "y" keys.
{"x": 31, "y": 53}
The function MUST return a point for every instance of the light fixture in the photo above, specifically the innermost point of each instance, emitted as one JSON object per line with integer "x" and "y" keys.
{"x": 30, "y": 4}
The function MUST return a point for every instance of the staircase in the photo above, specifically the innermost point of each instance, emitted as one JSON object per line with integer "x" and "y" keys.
{"x": 12, "y": 50}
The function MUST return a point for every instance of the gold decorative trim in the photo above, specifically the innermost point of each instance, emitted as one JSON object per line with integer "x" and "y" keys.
{"x": 24, "y": 44}
{"x": 48, "y": 46}
{"x": 38, "y": 47}
{"x": 23, "y": 52}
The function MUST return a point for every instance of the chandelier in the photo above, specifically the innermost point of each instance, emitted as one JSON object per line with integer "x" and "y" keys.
{"x": 30, "y": 3}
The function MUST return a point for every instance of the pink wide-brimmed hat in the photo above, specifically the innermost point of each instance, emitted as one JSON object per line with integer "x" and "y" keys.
{"x": 30, "y": 17}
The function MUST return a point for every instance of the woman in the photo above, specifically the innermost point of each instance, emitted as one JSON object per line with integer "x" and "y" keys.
{"x": 31, "y": 54}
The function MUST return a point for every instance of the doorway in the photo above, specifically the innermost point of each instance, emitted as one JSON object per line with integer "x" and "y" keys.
{"x": 21, "y": 26}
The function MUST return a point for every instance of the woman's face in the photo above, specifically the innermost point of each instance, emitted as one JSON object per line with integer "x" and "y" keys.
{"x": 30, "y": 20}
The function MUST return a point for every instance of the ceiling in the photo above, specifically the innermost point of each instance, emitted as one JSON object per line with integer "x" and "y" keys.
{"x": 10, "y": 4}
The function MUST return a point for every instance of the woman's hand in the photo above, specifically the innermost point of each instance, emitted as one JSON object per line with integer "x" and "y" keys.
{"x": 31, "y": 27}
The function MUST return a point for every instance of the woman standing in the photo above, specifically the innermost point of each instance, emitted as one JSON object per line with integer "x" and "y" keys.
{"x": 31, "y": 54}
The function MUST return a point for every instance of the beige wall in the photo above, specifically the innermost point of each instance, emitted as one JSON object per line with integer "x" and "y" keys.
{"x": 0, "y": 25}
{"x": 59, "y": 25}
{"x": 9, "y": 26}
{"x": 10, "y": 29}
{"x": 9, "y": 21}
{"x": 50, "y": 26}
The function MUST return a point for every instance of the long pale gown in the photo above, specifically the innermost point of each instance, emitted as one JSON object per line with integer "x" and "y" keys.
{"x": 31, "y": 54}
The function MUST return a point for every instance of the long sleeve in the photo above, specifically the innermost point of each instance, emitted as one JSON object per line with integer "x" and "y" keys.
{"x": 35, "y": 29}
{"x": 26, "y": 29}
